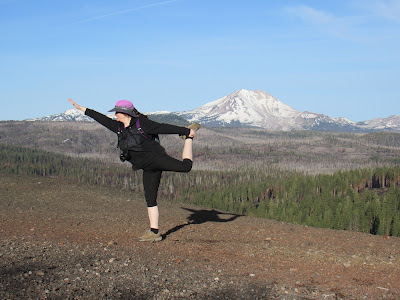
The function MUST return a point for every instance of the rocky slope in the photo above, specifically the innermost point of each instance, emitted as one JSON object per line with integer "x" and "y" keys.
{"x": 62, "y": 240}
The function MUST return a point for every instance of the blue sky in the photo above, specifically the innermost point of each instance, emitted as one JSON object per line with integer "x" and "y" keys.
{"x": 340, "y": 58}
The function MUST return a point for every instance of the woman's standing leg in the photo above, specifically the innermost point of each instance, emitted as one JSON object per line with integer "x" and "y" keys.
{"x": 151, "y": 182}
{"x": 154, "y": 215}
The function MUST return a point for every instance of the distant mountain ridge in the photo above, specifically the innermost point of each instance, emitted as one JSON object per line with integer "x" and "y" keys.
{"x": 71, "y": 115}
{"x": 74, "y": 115}
{"x": 260, "y": 109}
{"x": 244, "y": 108}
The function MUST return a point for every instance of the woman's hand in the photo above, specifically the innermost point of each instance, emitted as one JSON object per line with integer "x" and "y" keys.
{"x": 77, "y": 105}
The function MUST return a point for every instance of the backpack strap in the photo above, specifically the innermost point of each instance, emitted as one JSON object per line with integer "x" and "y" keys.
{"x": 141, "y": 130}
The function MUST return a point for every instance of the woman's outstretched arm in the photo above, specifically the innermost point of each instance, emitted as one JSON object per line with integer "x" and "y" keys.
{"x": 111, "y": 124}
{"x": 77, "y": 105}
{"x": 152, "y": 127}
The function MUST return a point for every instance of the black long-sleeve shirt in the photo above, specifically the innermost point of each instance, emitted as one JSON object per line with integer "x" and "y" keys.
{"x": 140, "y": 159}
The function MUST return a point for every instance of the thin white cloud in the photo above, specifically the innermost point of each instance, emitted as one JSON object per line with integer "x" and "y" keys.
{"x": 321, "y": 20}
{"x": 126, "y": 11}
{"x": 309, "y": 14}
{"x": 359, "y": 26}
{"x": 389, "y": 9}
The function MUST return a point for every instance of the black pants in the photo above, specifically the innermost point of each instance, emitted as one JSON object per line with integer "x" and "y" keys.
{"x": 152, "y": 175}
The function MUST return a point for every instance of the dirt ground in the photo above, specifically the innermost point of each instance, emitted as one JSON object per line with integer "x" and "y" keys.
{"x": 68, "y": 241}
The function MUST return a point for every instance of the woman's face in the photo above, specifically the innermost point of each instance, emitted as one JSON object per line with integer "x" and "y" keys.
{"x": 121, "y": 117}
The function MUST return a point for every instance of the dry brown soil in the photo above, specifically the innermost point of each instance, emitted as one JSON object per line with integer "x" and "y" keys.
{"x": 62, "y": 240}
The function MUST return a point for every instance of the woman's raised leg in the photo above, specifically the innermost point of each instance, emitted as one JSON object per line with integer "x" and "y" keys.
{"x": 187, "y": 152}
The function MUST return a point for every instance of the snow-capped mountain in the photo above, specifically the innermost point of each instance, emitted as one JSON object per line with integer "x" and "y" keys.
{"x": 248, "y": 108}
{"x": 69, "y": 115}
{"x": 390, "y": 123}
{"x": 313, "y": 121}
{"x": 253, "y": 109}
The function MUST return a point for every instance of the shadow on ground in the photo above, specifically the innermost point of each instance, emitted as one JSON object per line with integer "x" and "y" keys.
{"x": 202, "y": 216}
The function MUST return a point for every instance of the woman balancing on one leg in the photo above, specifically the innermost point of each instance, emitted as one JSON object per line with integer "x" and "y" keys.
{"x": 137, "y": 141}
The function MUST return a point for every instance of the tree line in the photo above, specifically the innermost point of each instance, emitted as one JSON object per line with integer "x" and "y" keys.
{"x": 365, "y": 200}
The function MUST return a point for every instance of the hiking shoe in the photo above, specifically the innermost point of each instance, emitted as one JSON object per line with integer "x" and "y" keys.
{"x": 150, "y": 236}
{"x": 194, "y": 126}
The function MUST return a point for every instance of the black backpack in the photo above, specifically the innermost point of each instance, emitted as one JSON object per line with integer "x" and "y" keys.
{"x": 135, "y": 139}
